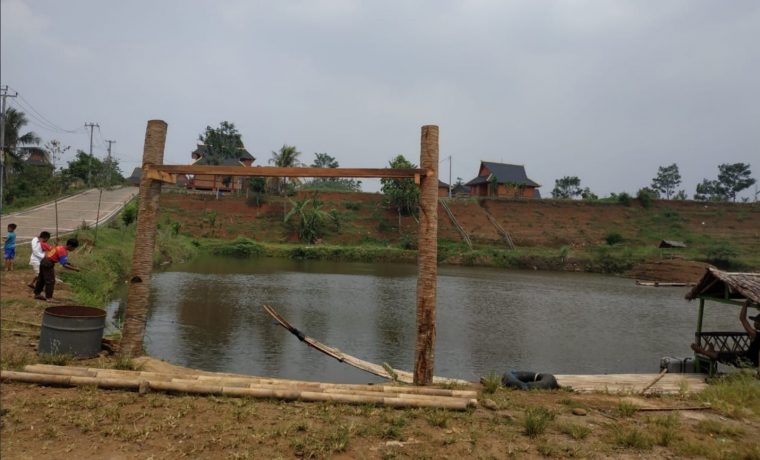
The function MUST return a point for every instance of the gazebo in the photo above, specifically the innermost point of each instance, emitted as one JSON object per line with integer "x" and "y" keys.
{"x": 725, "y": 288}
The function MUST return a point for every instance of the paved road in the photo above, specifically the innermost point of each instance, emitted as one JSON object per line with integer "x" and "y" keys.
{"x": 72, "y": 211}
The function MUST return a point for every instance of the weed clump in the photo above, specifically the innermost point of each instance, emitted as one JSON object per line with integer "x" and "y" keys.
{"x": 536, "y": 420}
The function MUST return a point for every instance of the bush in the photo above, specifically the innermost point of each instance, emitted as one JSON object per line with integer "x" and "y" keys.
{"x": 129, "y": 214}
{"x": 624, "y": 199}
{"x": 613, "y": 238}
{"x": 645, "y": 197}
{"x": 722, "y": 255}
{"x": 240, "y": 247}
{"x": 408, "y": 241}
{"x": 536, "y": 420}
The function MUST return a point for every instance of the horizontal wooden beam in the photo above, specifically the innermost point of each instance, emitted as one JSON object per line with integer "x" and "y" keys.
{"x": 263, "y": 171}
{"x": 161, "y": 176}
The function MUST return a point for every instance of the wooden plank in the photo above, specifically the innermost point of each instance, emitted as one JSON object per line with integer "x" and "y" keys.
{"x": 162, "y": 176}
{"x": 266, "y": 171}
{"x": 634, "y": 383}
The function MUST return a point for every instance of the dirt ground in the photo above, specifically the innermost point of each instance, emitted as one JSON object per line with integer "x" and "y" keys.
{"x": 39, "y": 422}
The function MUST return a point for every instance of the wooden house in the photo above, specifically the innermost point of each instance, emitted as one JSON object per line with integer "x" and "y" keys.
{"x": 503, "y": 180}
{"x": 224, "y": 184}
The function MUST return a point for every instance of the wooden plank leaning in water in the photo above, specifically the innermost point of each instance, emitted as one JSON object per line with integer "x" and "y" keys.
{"x": 400, "y": 375}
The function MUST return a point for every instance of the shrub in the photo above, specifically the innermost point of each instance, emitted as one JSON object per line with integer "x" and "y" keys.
{"x": 624, "y": 199}
{"x": 353, "y": 205}
{"x": 535, "y": 421}
{"x": 129, "y": 214}
{"x": 721, "y": 254}
{"x": 645, "y": 197}
{"x": 240, "y": 247}
{"x": 613, "y": 238}
{"x": 408, "y": 241}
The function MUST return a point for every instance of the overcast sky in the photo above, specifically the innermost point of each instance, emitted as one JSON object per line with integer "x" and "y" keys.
{"x": 604, "y": 90}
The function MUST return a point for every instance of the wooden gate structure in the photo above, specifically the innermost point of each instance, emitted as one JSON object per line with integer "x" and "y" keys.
{"x": 155, "y": 173}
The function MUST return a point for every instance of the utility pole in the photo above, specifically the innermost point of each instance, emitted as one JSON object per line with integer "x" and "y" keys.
{"x": 3, "y": 94}
{"x": 92, "y": 126}
{"x": 108, "y": 162}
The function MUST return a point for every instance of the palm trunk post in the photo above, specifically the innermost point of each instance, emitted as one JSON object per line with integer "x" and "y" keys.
{"x": 427, "y": 268}
{"x": 136, "y": 313}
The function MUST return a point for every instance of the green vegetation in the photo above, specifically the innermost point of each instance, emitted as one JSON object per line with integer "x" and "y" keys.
{"x": 402, "y": 194}
{"x": 536, "y": 420}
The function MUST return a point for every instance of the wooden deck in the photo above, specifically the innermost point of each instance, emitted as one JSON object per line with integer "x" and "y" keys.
{"x": 634, "y": 383}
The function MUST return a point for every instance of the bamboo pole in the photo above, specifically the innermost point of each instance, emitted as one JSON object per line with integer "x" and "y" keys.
{"x": 225, "y": 380}
{"x": 284, "y": 393}
{"x": 135, "y": 316}
{"x": 427, "y": 268}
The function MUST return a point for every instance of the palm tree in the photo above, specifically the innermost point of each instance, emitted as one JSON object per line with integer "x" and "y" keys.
{"x": 287, "y": 157}
{"x": 14, "y": 122}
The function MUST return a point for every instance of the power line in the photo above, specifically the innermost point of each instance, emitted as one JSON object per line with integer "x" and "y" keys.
{"x": 43, "y": 117}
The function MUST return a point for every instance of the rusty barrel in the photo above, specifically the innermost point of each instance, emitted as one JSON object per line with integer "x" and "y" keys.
{"x": 72, "y": 330}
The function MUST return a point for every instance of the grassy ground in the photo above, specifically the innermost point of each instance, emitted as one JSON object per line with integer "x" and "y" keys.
{"x": 43, "y": 422}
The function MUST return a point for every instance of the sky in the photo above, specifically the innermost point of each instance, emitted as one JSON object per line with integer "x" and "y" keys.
{"x": 604, "y": 90}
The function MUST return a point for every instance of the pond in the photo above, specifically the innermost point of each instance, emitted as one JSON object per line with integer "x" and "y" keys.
{"x": 207, "y": 314}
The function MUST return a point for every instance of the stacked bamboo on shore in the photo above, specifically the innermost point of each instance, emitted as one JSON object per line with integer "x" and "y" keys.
{"x": 243, "y": 386}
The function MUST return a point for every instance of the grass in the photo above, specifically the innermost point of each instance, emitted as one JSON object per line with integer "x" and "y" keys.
{"x": 536, "y": 420}
{"x": 491, "y": 383}
{"x": 627, "y": 408}
{"x": 632, "y": 438}
{"x": 574, "y": 430}
{"x": 737, "y": 394}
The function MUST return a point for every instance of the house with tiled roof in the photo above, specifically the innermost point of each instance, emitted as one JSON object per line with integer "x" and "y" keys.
{"x": 503, "y": 180}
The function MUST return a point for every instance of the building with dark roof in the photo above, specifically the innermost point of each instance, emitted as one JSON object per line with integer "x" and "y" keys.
{"x": 503, "y": 180}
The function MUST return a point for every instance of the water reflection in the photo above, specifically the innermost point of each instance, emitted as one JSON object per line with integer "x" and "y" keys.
{"x": 208, "y": 315}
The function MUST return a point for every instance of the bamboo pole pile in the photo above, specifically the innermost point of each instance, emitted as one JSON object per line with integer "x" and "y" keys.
{"x": 242, "y": 386}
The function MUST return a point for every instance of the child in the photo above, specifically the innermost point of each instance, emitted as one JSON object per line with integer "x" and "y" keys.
{"x": 39, "y": 248}
{"x": 10, "y": 247}
{"x": 46, "y": 279}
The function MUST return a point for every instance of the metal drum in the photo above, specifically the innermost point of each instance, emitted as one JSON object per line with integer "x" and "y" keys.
{"x": 72, "y": 330}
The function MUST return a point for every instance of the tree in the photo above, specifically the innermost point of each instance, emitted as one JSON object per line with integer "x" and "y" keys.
{"x": 567, "y": 187}
{"x": 587, "y": 194}
{"x": 14, "y": 122}
{"x": 323, "y": 160}
{"x": 710, "y": 190}
{"x": 666, "y": 181}
{"x": 287, "y": 157}
{"x": 402, "y": 193}
{"x": 221, "y": 143}
{"x": 733, "y": 178}
{"x": 79, "y": 168}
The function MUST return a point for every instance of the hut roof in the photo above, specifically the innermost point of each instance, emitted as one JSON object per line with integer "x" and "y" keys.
{"x": 505, "y": 174}
{"x": 671, "y": 244}
{"x": 740, "y": 285}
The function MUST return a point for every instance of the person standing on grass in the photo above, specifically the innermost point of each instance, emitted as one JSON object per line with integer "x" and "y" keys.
{"x": 39, "y": 248}
{"x": 46, "y": 278}
{"x": 9, "y": 248}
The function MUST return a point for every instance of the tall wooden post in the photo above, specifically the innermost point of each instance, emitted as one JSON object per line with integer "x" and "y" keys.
{"x": 427, "y": 254}
{"x": 145, "y": 241}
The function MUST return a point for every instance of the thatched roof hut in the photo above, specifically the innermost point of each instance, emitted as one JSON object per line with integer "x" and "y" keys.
{"x": 736, "y": 287}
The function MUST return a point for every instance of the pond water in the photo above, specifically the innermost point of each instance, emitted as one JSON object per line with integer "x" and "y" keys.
{"x": 207, "y": 314}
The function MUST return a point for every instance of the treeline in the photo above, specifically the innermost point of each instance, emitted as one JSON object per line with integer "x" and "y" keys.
{"x": 732, "y": 179}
